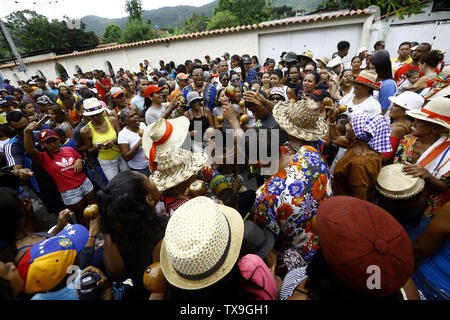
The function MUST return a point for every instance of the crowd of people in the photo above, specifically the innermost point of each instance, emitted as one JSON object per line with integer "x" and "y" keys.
{"x": 146, "y": 202}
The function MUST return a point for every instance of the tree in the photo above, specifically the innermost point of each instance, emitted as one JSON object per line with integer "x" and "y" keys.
{"x": 32, "y": 32}
{"x": 136, "y": 30}
{"x": 247, "y": 11}
{"x": 223, "y": 19}
{"x": 196, "y": 23}
{"x": 112, "y": 33}
{"x": 134, "y": 9}
{"x": 403, "y": 7}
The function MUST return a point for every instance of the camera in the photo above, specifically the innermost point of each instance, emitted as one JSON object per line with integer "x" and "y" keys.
{"x": 88, "y": 289}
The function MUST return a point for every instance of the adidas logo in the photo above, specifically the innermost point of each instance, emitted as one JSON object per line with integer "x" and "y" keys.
{"x": 65, "y": 164}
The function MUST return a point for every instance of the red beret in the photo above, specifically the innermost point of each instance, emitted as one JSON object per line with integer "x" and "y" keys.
{"x": 358, "y": 237}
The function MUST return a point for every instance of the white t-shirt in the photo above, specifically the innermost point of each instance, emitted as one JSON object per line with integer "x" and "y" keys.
{"x": 370, "y": 105}
{"x": 131, "y": 138}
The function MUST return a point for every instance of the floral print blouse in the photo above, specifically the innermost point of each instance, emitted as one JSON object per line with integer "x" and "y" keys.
{"x": 404, "y": 154}
{"x": 288, "y": 201}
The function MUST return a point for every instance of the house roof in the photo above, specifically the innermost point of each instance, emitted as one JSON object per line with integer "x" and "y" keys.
{"x": 264, "y": 25}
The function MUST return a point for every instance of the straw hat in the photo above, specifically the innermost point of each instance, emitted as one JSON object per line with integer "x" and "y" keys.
{"x": 324, "y": 60}
{"x": 202, "y": 244}
{"x": 306, "y": 54}
{"x": 301, "y": 119}
{"x": 393, "y": 183}
{"x": 92, "y": 106}
{"x": 334, "y": 62}
{"x": 174, "y": 164}
{"x": 367, "y": 78}
{"x": 436, "y": 111}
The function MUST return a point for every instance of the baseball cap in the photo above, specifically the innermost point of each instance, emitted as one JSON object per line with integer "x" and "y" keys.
{"x": 225, "y": 54}
{"x": 151, "y": 89}
{"x": 192, "y": 96}
{"x": 320, "y": 95}
{"x": 45, "y": 264}
{"x": 408, "y": 100}
{"x": 290, "y": 57}
{"x": 279, "y": 91}
{"x": 162, "y": 82}
{"x": 357, "y": 236}
{"x": 182, "y": 76}
{"x": 43, "y": 100}
{"x": 46, "y": 134}
{"x": 246, "y": 60}
{"x": 115, "y": 91}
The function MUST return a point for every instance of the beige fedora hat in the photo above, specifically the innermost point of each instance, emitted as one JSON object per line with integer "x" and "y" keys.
{"x": 306, "y": 54}
{"x": 367, "y": 78}
{"x": 324, "y": 60}
{"x": 393, "y": 183}
{"x": 436, "y": 111}
{"x": 202, "y": 243}
{"x": 301, "y": 119}
{"x": 92, "y": 106}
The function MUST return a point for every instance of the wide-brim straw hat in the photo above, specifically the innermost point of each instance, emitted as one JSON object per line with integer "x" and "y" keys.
{"x": 436, "y": 111}
{"x": 177, "y": 166}
{"x": 157, "y": 129}
{"x": 367, "y": 78}
{"x": 393, "y": 183}
{"x": 202, "y": 244}
{"x": 301, "y": 119}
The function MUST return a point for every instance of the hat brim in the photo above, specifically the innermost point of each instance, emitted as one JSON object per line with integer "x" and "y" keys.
{"x": 236, "y": 232}
{"x": 289, "y": 60}
{"x": 425, "y": 117}
{"x": 93, "y": 113}
{"x": 183, "y": 172}
{"x": 117, "y": 93}
{"x": 372, "y": 86}
{"x": 320, "y": 60}
{"x": 180, "y": 129}
{"x": 306, "y": 57}
{"x": 281, "y": 116}
{"x": 194, "y": 99}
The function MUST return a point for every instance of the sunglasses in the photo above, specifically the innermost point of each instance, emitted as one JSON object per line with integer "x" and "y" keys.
{"x": 276, "y": 99}
{"x": 236, "y": 79}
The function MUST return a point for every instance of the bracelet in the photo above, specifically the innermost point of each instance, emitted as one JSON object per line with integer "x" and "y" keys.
{"x": 93, "y": 236}
{"x": 332, "y": 123}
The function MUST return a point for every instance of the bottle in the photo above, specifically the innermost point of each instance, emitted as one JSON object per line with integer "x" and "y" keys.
{"x": 281, "y": 268}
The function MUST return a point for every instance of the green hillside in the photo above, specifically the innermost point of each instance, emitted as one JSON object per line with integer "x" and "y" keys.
{"x": 171, "y": 17}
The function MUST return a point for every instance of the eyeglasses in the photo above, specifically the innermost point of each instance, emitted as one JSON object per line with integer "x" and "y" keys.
{"x": 236, "y": 79}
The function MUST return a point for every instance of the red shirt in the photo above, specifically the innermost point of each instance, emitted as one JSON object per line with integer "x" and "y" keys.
{"x": 401, "y": 71}
{"x": 60, "y": 168}
{"x": 107, "y": 83}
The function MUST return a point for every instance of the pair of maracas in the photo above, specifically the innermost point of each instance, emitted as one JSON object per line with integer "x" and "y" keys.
{"x": 328, "y": 102}
{"x": 230, "y": 92}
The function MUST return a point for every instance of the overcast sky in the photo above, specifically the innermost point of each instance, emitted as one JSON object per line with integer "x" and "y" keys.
{"x": 56, "y": 9}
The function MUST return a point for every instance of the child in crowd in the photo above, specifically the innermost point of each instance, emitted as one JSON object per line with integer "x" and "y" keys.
{"x": 411, "y": 77}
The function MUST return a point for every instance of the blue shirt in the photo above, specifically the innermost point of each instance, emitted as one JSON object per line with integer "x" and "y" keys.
{"x": 251, "y": 76}
{"x": 208, "y": 99}
{"x": 388, "y": 89}
{"x": 69, "y": 143}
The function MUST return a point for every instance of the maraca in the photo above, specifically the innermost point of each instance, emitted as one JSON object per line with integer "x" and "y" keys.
{"x": 219, "y": 118}
{"x": 141, "y": 133}
{"x": 230, "y": 92}
{"x": 241, "y": 103}
{"x": 342, "y": 108}
{"x": 327, "y": 102}
{"x": 154, "y": 280}
{"x": 244, "y": 118}
{"x": 91, "y": 211}
{"x": 197, "y": 188}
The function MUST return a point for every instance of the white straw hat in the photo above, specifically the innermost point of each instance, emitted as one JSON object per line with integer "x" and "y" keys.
{"x": 393, "y": 183}
{"x": 174, "y": 164}
{"x": 92, "y": 107}
{"x": 436, "y": 111}
{"x": 202, "y": 244}
{"x": 408, "y": 100}
{"x": 301, "y": 119}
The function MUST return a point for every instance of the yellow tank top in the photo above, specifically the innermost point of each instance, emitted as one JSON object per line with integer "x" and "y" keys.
{"x": 97, "y": 137}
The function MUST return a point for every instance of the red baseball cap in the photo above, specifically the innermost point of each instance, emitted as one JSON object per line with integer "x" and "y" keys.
{"x": 46, "y": 134}
{"x": 151, "y": 89}
{"x": 360, "y": 240}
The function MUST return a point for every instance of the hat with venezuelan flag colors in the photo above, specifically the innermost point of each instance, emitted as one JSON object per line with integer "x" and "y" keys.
{"x": 45, "y": 264}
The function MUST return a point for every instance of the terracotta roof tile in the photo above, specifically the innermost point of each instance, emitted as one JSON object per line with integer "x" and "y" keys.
{"x": 263, "y": 25}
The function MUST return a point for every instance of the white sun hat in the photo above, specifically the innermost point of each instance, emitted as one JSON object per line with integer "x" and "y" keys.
{"x": 408, "y": 100}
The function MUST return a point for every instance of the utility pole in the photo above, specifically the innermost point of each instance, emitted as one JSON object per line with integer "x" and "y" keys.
{"x": 21, "y": 67}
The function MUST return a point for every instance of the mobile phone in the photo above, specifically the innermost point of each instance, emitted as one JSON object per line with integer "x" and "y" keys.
{"x": 43, "y": 120}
